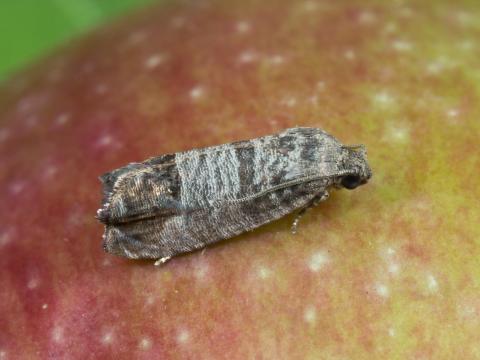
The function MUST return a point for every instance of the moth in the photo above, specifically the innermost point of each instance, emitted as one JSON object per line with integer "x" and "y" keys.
{"x": 180, "y": 202}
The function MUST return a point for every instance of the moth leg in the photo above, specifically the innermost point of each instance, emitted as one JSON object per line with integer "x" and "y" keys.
{"x": 314, "y": 202}
{"x": 162, "y": 260}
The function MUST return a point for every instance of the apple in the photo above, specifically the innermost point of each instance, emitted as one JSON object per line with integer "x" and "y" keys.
{"x": 388, "y": 271}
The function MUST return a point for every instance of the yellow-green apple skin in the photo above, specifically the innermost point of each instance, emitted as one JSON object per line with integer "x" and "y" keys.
{"x": 390, "y": 270}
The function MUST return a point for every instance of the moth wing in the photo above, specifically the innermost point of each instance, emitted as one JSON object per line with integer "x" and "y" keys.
{"x": 108, "y": 179}
{"x": 140, "y": 190}
{"x": 141, "y": 239}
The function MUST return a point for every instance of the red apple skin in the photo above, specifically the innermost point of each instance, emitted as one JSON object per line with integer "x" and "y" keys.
{"x": 388, "y": 271}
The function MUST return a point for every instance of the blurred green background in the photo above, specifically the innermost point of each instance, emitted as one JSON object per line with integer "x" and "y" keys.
{"x": 31, "y": 28}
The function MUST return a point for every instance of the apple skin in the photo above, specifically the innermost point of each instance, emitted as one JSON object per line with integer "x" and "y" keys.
{"x": 388, "y": 271}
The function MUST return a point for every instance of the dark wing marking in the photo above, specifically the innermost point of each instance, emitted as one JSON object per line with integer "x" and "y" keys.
{"x": 143, "y": 239}
{"x": 108, "y": 179}
{"x": 134, "y": 240}
{"x": 139, "y": 191}
{"x": 166, "y": 159}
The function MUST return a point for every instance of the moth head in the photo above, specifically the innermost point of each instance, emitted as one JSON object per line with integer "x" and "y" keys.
{"x": 356, "y": 169}
{"x": 351, "y": 181}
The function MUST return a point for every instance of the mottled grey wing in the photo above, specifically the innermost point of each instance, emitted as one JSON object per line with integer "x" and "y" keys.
{"x": 140, "y": 190}
{"x": 249, "y": 169}
{"x": 163, "y": 237}
{"x": 140, "y": 200}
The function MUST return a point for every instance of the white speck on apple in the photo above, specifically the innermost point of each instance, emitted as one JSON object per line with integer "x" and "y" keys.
{"x": 432, "y": 283}
{"x": 154, "y": 60}
{"x": 17, "y": 187}
{"x": 264, "y": 272}
{"x": 321, "y": 85}
{"x": 276, "y": 59}
{"x": 289, "y": 101}
{"x": 434, "y": 67}
{"x": 183, "y": 336}
{"x": 397, "y": 134}
{"x": 62, "y": 119}
{"x": 388, "y": 256}
{"x": 44, "y": 306}
{"x": 383, "y": 98}
{"x": 367, "y": 17}
{"x": 74, "y": 218}
{"x": 467, "y": 45}
{"x": 33, "y": 283}
{"x": 5, "y": 237}
{"x": 350, "y": 54}
{"x": 50, "y": 171}
{"x": 145, "y": 343}
{"x": 310, "y": 314}
{"x": 197, "y": 92}
{"x": 402, "y": 45}
{"x": 107, "y": 338}
{"x": 105, "y": 140}
{"x": 438, "y": 65}
{"x": 106, "y": 261}
{"x": 57, "y": 334}
{"x": 242, "y": 27}
{"x": 247, "y": 57}
{"x": 382, "y": 290}
{"x": 390, "y": 251}
{"x": 25, "y": 104}
{"x": 452, "y": 113}
{"x": 313, "y": 99}
{"x": 467, "y": 311}
{"x": 393, "y": 268}
{"x": 150, "y": 300}
{"x": 318, "y": 260}
{"x": 464, "y": 18}
{"x": 201, "y": 271}
{"x": 390, "y": 28}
